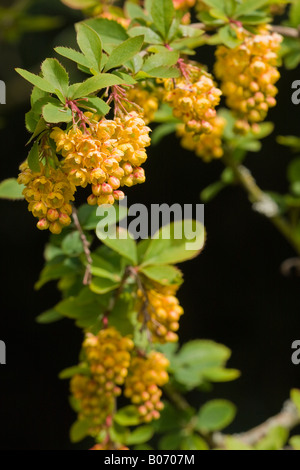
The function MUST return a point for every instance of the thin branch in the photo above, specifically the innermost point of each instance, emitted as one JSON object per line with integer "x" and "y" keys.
{"x": 288, "y": 418}
{"x": 261, "y": 201}
{"x": 286, "y": 31}
{"x": 86, "y": 247}
{"x": 176, "y": 398}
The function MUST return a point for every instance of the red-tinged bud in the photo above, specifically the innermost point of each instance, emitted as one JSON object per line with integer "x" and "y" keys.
{"x": 92, "y": 200}
{"x": 97, "y": 189}
{"x": 106, "y": 189}
{"x": 114, "y": 182}
{"x": 64, "y": 219}
{"x": 43, "y": 224}
{"x": 127, "y": 167}
{"x": 55, "y": 228}
{"x": 39, "y": 209}
{"x": 103, "y": 199}
{"x": 97, "y": 176}
{"x": 52, "y": 215}
{"x": 119, "y": 195}
{"x": 155, "y": 414}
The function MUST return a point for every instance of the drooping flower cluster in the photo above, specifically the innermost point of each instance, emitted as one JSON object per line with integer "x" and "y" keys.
{"x": 146, "y": 375}
{"x": 110, "y": 363}
{"x": 248, "y": 74}
{"x": 193, "y": 98}
{"x": 108, "y": 156}
{"x": 148, "y": 101}
{"x": 48, "y": 193}
{"x": 206, "y": 146}
{"x": 108, "y": 356}
{"x": 160, "y": 311}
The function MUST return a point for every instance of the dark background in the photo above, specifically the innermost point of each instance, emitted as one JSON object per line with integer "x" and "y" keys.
{"x": 233, "y": 293}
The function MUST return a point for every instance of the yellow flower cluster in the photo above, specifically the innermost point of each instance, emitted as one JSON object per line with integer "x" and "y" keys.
{"x": 48, "y": 193}
{"x": 108, "y": 355}
{"x": 162, "y": 313}
{"x": 146, "y": 375}
{"x": 206, "y": 146}
{"x": 193, "y": 99}
{"x": 248, "y": 74}
{"x": 146, "y": 100}
{"x": 108, "y": 156}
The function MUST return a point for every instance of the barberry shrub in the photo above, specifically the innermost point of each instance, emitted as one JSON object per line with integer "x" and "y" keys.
{"x": 132, "y": 375}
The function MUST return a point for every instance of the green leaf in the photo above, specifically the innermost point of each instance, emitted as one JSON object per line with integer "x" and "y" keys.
{"x": 211, "y": 191}
{"x": 232, "y": 443}
{"x": 37, "y": 81}
{"x": 196, "y": 359}
{"x": 289, "y": 141}
{"x": 135, "y": 11}
{"x": 101, "y": 285}
{"x": 56, "y": 75}
{"x": 50, "y": 316}
{"x": 295, "y": 397}
{"x": 258, "y": 17}
{"x": 124, "y": 52}
{"x": 127, "y": 416}
{"x": 294, "y": 14}
{"x": 159, "y": 72}
{"x": 219, "y": 374}
{"x": 79, "y": 430}
{"x": 275, "y": 439}
{"x": 249, "y": 6}
{"x": 53, "y": 272}
{"x": 215, "y": 415}
{"x": 175, "y": 243}
{"x": 228, "y": 36}
{"x": 193, "y": 442}
{"x": 11, "y": 189}
{"x": 150, "y": 36}
{"x": 140, "y": 435}
{"x": 164, "y": 274}
{"x": 293, "y": 171}
{"x": 31, "y": 121}
{"x": 40, "y": 127}
{"x": 295, "y": 442}
{"x": 86, "y": 308}
{"x": 68, "y": 373}
{"x": 163, "y": 13}
{"x": 73, "y": 55}
{"x": 122, "y": 244}
{"x": 80, "y": 4}
{"x": 72, "y": 244}
{"x": 110, "y": 32}
{"x": 123, "y": 316}
{"x": 90, "y": 44}
{"x": 170, "y": 441}
{"x": 217, "y": 9}
{"x": 102, "y": 267}
{"x": 33, "y": 158}
{"x": 128, "y": 79}
{"x": 93, "y": 84}
{"x": 53, "y": 113}
{"x": 99, "y": 105}
{"x": 163, "y": 58}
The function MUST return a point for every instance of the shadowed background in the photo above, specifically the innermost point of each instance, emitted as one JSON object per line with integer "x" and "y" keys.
{"x": 233, "y": 293}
